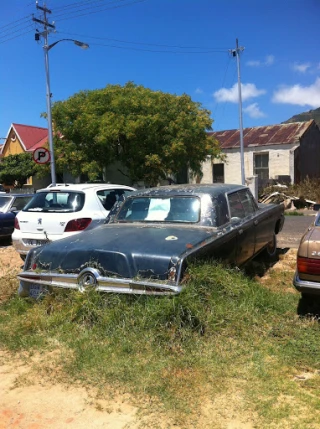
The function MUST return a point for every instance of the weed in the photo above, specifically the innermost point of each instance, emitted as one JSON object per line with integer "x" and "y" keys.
{"x": 225, "y": 331}
{"x": 293, "y": 213}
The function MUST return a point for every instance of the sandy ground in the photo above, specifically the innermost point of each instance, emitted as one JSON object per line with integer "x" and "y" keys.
{"x": 29, "y": 402}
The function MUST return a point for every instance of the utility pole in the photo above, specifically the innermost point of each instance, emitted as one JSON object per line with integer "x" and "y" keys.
{"x": 236, "y": 53}
{"x": 47, "y": 28}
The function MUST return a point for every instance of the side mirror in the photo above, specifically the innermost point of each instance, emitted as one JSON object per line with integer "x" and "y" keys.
{"x": 316, "y": 207}
{"x": 14, "y": 209}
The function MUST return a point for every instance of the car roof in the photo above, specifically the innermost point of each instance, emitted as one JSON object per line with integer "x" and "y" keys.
{"x": 17, "y": 194}
{"x": 83, "y": 187}
{"x": 189, "y": 189}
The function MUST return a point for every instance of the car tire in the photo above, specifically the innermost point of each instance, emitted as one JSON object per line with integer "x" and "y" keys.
{"x": 309, "y": 305}
{"x": 271, "y": 249}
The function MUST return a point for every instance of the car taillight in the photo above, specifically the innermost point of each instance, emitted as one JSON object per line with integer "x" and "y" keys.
{"x": 308, "y": 266}
{"x": 16, "y": 223}
{"x": 78, "y": 224}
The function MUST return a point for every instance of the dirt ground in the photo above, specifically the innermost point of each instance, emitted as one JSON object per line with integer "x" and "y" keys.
{"x": 29, "y": 402}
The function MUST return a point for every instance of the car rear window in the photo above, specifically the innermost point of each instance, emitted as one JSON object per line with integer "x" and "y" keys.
{"x": 157, "y": 209}
{"x": 108, "y": 197}
{"x": 53, "y": 201}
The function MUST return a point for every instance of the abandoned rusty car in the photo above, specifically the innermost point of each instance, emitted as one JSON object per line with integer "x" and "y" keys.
{"x": 150, "y": 237}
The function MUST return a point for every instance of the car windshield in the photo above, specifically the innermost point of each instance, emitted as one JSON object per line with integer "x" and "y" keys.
{"x": 4, "y": 201}
{"x": 55, "y": 201}
{"x": 160, "y": 209}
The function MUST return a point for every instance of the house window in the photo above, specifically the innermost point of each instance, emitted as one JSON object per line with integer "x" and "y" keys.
{"x": 261, "y": 166}
{"x": 218, "y": 173}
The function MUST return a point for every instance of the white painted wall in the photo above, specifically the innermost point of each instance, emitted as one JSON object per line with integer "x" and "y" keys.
{"x": 281, "y": 162}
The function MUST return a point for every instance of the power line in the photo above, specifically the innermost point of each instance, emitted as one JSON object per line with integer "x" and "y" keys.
{"x": 79, "y": 3}
{"x": 25, "y": 18}
{"x": 146, "y": 44}
{"x": 18, "y": 35}
{"x": 72, "y": 15}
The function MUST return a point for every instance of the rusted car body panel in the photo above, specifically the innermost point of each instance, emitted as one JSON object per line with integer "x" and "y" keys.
{"x": 150, "y": 238}
{"x": 307, "y": 276}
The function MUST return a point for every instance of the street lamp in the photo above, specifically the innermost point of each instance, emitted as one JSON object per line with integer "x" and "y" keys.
{"x": 47, "y": 48}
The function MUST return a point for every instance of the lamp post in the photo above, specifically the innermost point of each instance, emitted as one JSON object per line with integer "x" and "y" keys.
{"x": 47, "y": 48}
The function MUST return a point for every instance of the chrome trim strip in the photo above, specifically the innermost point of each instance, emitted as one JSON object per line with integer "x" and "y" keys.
{"x": 103, "y": 284}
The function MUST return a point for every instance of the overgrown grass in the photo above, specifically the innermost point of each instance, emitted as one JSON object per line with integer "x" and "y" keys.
{"x": 225, "y": 337}
{"x": 292, "y": 213}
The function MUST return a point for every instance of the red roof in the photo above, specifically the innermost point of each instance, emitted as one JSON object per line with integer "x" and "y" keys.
{"x": 31, "y": 137}
{"x": 263, "y": 136}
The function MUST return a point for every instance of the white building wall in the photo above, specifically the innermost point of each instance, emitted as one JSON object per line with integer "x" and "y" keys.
{"x": 281, "y": 163}
{"x": 207, "y": 171}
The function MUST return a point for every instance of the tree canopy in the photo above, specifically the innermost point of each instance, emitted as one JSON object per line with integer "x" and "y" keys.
{"x": 15, "y": 169}
{"x": 153, "y": 134}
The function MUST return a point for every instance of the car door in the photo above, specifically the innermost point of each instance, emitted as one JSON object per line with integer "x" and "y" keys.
{"x": 242, "y": 216}
{"x": 7, "y": 219}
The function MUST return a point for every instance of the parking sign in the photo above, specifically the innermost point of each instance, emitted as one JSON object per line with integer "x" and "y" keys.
{"x": 41, "y": 155}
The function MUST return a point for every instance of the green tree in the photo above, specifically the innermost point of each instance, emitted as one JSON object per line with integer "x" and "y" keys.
{"x": 15, "y": 169}
{"x": 153, "y": 134}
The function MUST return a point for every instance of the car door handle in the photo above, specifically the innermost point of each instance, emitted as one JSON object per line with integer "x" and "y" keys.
{"x": 240, "y": 231}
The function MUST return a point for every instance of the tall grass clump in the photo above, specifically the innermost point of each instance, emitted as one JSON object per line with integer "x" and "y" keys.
{"x": 223, "y": 327}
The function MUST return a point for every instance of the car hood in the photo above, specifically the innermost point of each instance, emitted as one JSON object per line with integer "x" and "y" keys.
{"x": 121, "y": 250}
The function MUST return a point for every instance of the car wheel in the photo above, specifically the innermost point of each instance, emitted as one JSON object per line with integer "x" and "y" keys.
{"x": 309, "y": 305}
{"x": 271, "y": 249}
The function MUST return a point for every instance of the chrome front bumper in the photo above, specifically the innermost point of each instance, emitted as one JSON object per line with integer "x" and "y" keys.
{"x": 306, "y": 286}
{"x": 91, "y": 278}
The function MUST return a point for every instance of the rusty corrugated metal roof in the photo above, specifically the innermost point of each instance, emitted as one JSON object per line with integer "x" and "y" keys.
{"x": 263, "y": 136}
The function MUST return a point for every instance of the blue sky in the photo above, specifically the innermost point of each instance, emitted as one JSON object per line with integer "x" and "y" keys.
{"x": 175, "y": 46}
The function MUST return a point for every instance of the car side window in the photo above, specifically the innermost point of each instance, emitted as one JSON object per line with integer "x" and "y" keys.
{"x": 247, "y": 202}
{"x": 20, "y": 202}
{"x": 236, "y": 207}
{"x": 221, "y": 210}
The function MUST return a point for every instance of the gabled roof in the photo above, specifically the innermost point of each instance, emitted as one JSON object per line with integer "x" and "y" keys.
{"x": 263, "y": 136}
{"x": 30, "y": 137}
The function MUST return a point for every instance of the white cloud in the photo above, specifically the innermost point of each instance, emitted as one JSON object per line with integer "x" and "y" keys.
{"x": 198, "y": 91}
{"x": 253, "y": 63}
{"x": 253, "y": 110}
{"x": 299, "y": 95}
{"x": 248, "y": 90}
{"x": 269, "y": 60}
{"x": 302, "y": 67}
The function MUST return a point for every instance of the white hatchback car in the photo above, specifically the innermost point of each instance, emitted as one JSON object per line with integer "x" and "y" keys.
{"x": 58, "y": 212}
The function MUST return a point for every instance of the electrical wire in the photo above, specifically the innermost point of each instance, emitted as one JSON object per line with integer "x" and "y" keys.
{"x": 11, "y": 24}
{"x": 145, "y": 44}
{"x": 79, "y": 3}
{"x": 74, "y": 14}
{"x": 223, "y": 81}
{"x": 225, "y": 103}
{"x": 18, "y": 35}
{"x": 17, "y": 23}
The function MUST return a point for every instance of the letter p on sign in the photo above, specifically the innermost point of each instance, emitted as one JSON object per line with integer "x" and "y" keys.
{"x": 41, "y": 155}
